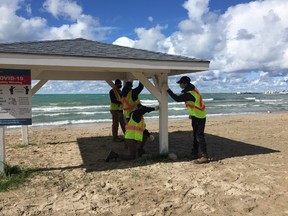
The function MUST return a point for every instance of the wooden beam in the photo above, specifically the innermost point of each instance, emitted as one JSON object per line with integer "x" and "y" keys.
{"x": 38, "y": 86}
{"x": 154, "y": 91}
{"x": 156, "y": 81}
{"x": 162, "y": 97}
{"x": 110, "y": 83}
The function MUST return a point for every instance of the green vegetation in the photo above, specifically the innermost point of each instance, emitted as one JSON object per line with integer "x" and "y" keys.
{"x": 13, "y": 177}
{"x": 21, "y": 146}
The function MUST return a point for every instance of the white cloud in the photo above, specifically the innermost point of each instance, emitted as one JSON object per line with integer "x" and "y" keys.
{"x": 66, "y": 8}
{"x": 265, "y": 24}
{"x": 196, "y": 9}
{"x": 124, "y": 41}
{"x": 85, "y": 26}
{"x": 14, "y": 27}
{"x": 247, "y": 37}
{"x": 151, "y": 39}
{"x": 150, "y": 19}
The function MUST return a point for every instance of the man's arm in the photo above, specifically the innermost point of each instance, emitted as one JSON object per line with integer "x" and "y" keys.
{"x": 137, "y": 91}
{"x": 113, "y": 98}
{"x": 137, "y": 114}
{"x": 181, "y": 98}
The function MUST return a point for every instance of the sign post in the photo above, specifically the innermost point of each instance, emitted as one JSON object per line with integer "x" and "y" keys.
{"x": 2, "y": 149}
{"x": 15, "y": 103}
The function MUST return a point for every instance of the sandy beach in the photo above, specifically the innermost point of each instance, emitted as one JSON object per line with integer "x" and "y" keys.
{"x": 248, "y": 173}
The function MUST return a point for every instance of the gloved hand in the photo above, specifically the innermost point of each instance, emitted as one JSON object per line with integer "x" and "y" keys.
{"x": 156, "y": 108}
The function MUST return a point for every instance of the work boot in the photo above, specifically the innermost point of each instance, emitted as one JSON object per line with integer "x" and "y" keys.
{"x": 203, "y": 159}
{"x": 111, "y": 155}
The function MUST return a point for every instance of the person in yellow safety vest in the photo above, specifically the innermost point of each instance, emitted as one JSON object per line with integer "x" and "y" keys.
{"x": 136, "y": 134}
{"x": 116, "y": 110}
{"x": 130, "y": 98}
{"x": 197, "y": 113}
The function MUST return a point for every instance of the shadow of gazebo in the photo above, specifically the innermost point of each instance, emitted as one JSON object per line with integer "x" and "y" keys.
{"x": 94, "y": 150}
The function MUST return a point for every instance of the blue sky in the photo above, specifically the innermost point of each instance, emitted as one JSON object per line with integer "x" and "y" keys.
{"x": 246, "y": 41}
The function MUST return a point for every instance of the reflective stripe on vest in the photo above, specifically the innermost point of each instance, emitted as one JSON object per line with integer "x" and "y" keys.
{"x": 196, "y": 108}
{"x": 129, "y": 104}
{"x": 135, "y": 130}
{"x": 114, "y": 106}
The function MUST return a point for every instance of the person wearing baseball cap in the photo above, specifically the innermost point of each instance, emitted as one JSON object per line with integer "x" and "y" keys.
{"x": 184, "y": 79}
{"x": 116, "y": 110}
{"x": 197, "y": 113}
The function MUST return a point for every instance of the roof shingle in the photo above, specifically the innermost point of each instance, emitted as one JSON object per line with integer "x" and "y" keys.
{"x": 86, "y": 48}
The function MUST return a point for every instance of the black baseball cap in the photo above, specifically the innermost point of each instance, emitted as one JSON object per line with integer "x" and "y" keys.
{"x": 184, "y": 79}
{"x": 117, "y": 81}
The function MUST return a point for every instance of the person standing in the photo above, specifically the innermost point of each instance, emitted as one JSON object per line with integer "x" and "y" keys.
{"x": 116, "y": 110}
{"x": 130, "y": 98}
{"x": 136, "y": 134}
{"x": 197, "y": 113}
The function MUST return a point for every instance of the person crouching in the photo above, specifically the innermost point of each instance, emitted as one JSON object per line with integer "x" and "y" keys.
{"x": 136, "y": 134}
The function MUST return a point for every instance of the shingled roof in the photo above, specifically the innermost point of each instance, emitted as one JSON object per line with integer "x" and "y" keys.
{"x": 86, "y": 48}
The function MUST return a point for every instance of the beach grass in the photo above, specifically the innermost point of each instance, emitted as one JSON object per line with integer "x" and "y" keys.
{"x": 13, "y": 177}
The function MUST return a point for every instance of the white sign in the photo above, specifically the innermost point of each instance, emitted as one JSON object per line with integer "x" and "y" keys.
{"x": 15, "y": 97}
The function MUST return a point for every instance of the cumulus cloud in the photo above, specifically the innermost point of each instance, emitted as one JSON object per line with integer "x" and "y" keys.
{"x": 85, "y": 26}
{"x": 152, "y": 39}
{"x": 247, "y": 37}
{"x": 14, "y": 27}
{"x": 125, "y": 41}
{"x": 248, "y": 41}
{"x": 65, "y": 8}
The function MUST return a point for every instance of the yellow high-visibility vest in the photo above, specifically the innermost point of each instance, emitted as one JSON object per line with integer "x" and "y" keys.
{"x": 196, "y": 108}
{"x": 114, "y": 106}
{"x": 135, "y": 130}
{"x": 129, "y": 104}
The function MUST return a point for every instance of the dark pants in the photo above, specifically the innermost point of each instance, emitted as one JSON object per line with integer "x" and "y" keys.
{"x": 117, "y": 118}
{"x": 133, "y": 148}
{"x": 199, "y": 142}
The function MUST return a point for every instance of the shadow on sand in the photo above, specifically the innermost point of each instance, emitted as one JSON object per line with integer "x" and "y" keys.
{"x": 94, "y": 150}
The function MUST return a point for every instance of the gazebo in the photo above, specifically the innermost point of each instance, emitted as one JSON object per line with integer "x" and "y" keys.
{"x": 81, "y": 59}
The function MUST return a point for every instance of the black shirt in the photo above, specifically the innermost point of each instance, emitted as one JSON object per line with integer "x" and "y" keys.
{"x": 185, "y": 96}
{"x": 113, "y": 98}
{"x": 137, "y": 114}
{"x": 135, "y": 92}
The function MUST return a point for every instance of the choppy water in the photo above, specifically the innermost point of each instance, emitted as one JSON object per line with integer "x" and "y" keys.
{"x": 64, "y": 109}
